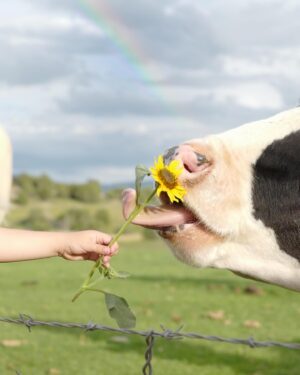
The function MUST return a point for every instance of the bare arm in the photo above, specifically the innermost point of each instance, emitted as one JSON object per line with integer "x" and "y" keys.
{"x": 17, "y": 245}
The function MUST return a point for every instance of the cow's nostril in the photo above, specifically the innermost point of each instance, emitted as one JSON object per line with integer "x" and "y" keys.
{"x": 187, "y": 168}
{"x": 193, "y": 161}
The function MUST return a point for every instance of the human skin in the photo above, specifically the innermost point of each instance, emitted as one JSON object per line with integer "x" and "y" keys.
{"x": 19, "y": 245}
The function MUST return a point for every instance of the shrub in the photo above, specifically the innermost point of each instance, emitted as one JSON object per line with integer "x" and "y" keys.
{"x": 75, "y": 219}
{"x": 44, "y": 187}
{"x": 88, "y": 192}
{"x": 26, "y": 183}
{"x": 21, "y": 198}
{"x": 63, "y": 191}
{"x": 114, "y": 193}
{"x": 36, "y": 220}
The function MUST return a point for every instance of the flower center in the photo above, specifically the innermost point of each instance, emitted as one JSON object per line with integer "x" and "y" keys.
{"x": 168, "y": 179}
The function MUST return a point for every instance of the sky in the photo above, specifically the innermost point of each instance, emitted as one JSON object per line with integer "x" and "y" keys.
{"x": 90, "y": 88}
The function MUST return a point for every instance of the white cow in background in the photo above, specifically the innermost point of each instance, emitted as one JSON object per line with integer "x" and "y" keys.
{"x": 5, "y": 173}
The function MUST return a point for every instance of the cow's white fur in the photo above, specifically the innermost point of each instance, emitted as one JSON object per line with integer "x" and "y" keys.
{"x": 222, "y": 200}
{"x": 5, "y": 173}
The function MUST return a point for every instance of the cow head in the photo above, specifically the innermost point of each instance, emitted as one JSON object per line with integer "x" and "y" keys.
{"x": 242, "y": 207}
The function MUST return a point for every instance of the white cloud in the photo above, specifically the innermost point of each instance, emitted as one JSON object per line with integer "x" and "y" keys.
{"x": 40, "y": 23}
{"x": 253, "y": 95}
{"x": 280, "y": 62}
{"x": 104, "y": 104}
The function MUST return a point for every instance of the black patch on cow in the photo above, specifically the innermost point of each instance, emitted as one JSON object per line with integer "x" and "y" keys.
{"x": 276, "y": 191}
{"x": 169, "y": 155}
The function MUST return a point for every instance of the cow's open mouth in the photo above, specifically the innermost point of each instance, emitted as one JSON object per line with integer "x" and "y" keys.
{"x": 176, "y": 218}
{"x": 165, "y": 217}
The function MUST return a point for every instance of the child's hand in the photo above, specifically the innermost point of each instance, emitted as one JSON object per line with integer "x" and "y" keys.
{"x": 88, "y": 245}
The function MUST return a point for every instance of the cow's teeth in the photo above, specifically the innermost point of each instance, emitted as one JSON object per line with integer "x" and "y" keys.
{"x": 172, "y": 229}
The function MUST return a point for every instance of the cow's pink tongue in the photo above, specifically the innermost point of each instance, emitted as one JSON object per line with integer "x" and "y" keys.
{"x": 163, "y": 216}
{"x": 156, "y": 217}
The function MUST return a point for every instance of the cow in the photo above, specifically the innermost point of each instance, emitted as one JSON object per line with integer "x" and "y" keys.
{"x": 241, "y": 211}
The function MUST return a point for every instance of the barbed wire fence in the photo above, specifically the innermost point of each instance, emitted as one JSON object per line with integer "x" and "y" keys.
{"x": 149, "y": 335}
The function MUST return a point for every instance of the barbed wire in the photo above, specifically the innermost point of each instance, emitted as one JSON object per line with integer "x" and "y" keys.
{"x": 150, "y": 335}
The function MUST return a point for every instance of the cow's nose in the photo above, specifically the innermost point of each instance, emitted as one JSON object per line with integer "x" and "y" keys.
{"x": 192, "y": 161}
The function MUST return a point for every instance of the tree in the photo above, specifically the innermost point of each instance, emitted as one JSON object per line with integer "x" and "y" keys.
{"x": 88, "y": 192}
{"x": 63, "y": 191}
{"x": 44, "y": 187}
{"x": 26, "y": 183}
{"x": 21, "y": 198}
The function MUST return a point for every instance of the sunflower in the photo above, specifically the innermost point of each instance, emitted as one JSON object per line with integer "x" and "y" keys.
{"x": 166, "y": 177}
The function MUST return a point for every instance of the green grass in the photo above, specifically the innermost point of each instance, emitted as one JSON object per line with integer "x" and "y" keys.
{"x": 161, "y": 291}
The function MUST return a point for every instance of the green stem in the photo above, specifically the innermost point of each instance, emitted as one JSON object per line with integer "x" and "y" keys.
{"x": 86, "y": 284}
{"x": 133, "y": 214}
{"x": 78, "y": 294}
{"x": 96, "y": 290}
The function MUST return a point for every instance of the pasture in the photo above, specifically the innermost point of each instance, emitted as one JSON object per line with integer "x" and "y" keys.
{"x": 160, "y": 291}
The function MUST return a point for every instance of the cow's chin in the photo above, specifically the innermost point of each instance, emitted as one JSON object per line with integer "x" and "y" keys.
{"x": 189, "y": 237}
{"x": 189, "y": 242}
{"x": 184, "y": 232}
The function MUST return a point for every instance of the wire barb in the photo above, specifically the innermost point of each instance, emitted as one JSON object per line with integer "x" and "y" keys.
{"x": 26, "y": 320}
{"x": 147, "y": 369}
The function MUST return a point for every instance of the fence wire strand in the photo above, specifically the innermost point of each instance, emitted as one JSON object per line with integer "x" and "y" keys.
{"x": 150, "y": 335}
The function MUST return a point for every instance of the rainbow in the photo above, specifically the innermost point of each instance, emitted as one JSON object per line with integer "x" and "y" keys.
{"x": 106, "y": 18}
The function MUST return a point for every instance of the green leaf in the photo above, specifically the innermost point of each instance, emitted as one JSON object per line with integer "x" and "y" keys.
{"x": 120, "y": 274}
{"x": 119, "y": 310}
{"x": 140, "y": 173}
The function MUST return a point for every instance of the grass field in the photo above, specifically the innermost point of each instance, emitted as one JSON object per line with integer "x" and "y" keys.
{"x": 161, "y": 291}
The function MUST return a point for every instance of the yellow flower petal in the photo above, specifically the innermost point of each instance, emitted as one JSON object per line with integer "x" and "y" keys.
{"x": 160, "y": 162}
{"x": 159, "y": 190}
{"x": 166, "y": 176}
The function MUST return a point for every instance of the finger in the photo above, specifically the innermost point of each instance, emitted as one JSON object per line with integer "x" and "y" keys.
{"x": 114, "y": 249}
{"x": 102, "y": 250}
{"x": 128, "y": 202}
{"x": 73, "y": 257}
{"x": 104, "y": 238}
{"x": 106, "y": 261}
